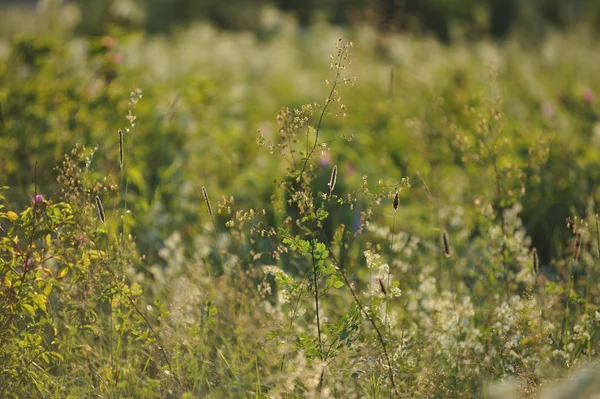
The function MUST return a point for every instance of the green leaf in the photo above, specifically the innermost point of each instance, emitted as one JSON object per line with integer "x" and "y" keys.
{"x": 40, "y": 301}
{"x": 47, "y": 289}
{"x": 322, "y": 214}
{"x": 28, "y": 308}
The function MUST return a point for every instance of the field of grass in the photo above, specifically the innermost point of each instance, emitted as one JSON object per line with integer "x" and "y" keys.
{"x": 297, "y": 212}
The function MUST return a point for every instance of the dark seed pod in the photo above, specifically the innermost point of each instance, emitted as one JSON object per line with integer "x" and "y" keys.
{"x": 100, "y": 209}
{"x": 382, "y": 287}
{"x": 121, "y": 148}
{"x": 446, "y": 243}
{"x": 396, "y": 201}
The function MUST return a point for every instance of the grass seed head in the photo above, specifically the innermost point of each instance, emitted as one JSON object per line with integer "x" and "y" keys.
{"x": 446, "y": 243}
{"x": 100, "y": 209}
{"x": 396, "y": 201}
{"x": 205, "y": 194}
{"x": 121, "y": 148}
{"x": 332, "y": 180}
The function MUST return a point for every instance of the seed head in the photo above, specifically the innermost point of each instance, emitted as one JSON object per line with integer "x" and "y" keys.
{"x": 396, "y": 201}
{"x": 332, "y": 180}
{"x": 100, "y": 209}
{"x": 204, "y": 193}
{"x": 121, "y": 148}
{"x": 446, "y": 243}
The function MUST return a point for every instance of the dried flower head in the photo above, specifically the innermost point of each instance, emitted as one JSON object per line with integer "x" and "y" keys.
{"x": 332, "y": 180}
{"x": 396, "y": 201}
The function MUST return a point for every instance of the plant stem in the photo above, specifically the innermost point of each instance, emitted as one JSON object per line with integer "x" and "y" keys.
{"x": 367, "y": 315}
{"x": 316, "y": 291}
{"x": 318, "y": 128}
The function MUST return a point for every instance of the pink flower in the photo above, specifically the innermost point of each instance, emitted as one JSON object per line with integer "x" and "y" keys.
{"x": 38, "y": 199}
{"x": 28, "y": 264}
{"x": 589, "y": 96}
{"x": 117, "y": 58}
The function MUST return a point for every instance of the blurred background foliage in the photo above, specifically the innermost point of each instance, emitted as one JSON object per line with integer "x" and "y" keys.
{"x": 213, "y": 73}
{"x": 496, "y": 17}
{"x": 494, "y": 104}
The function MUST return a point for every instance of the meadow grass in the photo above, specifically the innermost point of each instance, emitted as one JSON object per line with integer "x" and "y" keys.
{"x": 418, "y": 221}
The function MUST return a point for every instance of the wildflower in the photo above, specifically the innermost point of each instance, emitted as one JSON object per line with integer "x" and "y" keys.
{"x": 27, "y": 265}
{"x": 38, "y": 199}
{"x": 117, "y": 58}
{"x": 588, "y": 96}
{"x": 325, "y": 159}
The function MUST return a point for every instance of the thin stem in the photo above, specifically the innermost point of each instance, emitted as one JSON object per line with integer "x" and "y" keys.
{"x": 387, "y": 298}
{"x": 316, "y": 291}
{"x": 597, "y": 230}
{"x": 363, "y": 311}
{"x": 327, "y": 102}
{"x": 136, "y": 308}
{"x": 160, "y": 347}
{"x": 296, "y": 307}
{"x": 503, "y": 228}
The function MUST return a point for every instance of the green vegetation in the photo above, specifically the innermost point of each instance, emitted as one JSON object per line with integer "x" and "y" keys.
{"x": 235, "y": 214}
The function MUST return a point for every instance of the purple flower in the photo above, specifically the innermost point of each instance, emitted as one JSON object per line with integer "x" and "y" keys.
{"x": 38, "y": 199}
{"x": 325, "y": 159}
